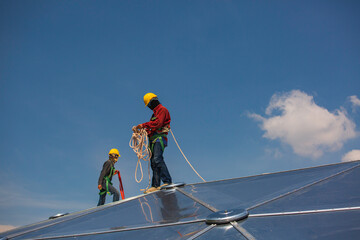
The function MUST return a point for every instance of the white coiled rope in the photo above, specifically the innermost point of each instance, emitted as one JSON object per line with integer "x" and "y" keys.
{"x": 139, "y": 142}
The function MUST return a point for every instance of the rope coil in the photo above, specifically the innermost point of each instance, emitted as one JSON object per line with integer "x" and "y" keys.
{"x": 139, "y": 142}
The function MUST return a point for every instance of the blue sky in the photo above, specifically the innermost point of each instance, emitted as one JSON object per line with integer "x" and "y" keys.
{"x": 252, "y": 87}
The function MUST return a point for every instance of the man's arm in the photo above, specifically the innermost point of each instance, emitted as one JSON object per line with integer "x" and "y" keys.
{"x": 105, "y": 171}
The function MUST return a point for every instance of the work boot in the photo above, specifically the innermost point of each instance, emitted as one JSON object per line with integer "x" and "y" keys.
{"x": 165, "y": 184}
{"x": 152, "y": 189}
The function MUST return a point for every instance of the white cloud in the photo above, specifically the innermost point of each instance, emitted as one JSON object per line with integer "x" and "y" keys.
{"x": 308, "y": 128}
{"x": 355, "y": 101}
{"x": 4, "y": 228}
{"x": 351, "y": 156}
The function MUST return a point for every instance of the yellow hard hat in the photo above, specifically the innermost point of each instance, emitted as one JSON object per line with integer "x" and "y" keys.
{"x": 114, "y": 151}
{"x": 148, "y": 97}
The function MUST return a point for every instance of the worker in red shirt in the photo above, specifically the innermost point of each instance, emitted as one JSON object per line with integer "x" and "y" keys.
{"x": 157, "y": 129}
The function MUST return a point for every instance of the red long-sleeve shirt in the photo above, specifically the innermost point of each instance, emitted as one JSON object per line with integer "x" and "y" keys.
{"x": 161, "y": 118}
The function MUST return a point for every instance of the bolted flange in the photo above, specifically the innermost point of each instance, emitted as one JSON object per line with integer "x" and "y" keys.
{"x": 226, "y": 216}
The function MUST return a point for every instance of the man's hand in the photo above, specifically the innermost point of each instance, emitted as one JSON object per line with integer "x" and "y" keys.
{"x": 116, "y": 172}
{"x": 99, "y": 187}
{"x": 135, "y": 128}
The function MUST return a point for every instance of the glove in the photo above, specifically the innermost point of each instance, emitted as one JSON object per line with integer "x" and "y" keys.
{"x": 135, "y": 128}
{"x": 99, "y": 187}
{"x": 116, "y": 172}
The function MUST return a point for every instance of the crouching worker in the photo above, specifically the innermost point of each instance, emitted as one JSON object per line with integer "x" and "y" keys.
{"x": 107, "y": 172}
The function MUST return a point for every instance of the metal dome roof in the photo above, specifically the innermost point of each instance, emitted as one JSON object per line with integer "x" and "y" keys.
{"x": 313, "y": 203}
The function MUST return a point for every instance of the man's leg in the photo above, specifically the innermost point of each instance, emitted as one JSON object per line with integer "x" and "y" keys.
{"x": 162, "y": 170}
{"x": 155, "y": 156}
{"x": 114, "y": 192}
{"x": 164, "y": 174}
{"x": 102, "y": 199}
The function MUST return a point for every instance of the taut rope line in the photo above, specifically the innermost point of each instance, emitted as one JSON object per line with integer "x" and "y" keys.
{"x": 185, "y": 157}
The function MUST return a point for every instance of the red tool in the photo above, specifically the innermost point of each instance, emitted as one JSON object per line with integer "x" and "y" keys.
{"x": 121, "y": 185}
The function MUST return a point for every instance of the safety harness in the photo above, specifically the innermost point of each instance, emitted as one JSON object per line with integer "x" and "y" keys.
{"x": 159, "y": 135}
{"x": 107, "y": 179}
{"x": 153, "y": 140}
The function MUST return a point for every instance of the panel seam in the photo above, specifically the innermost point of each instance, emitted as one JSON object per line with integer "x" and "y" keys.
{"x": 305, "y": 212}
{"x": 242, "y": 231}
{"x": 198, "y": 200}
{"x": 303, "y": 187}
{"x": 202, "y": 232}
{"x": 119, "y": 230}
{"x": 264, "y": 174}
{"x": 64, "y": 220}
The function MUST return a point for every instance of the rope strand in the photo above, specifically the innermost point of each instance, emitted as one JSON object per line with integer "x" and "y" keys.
{"x": 185, "y": 157}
